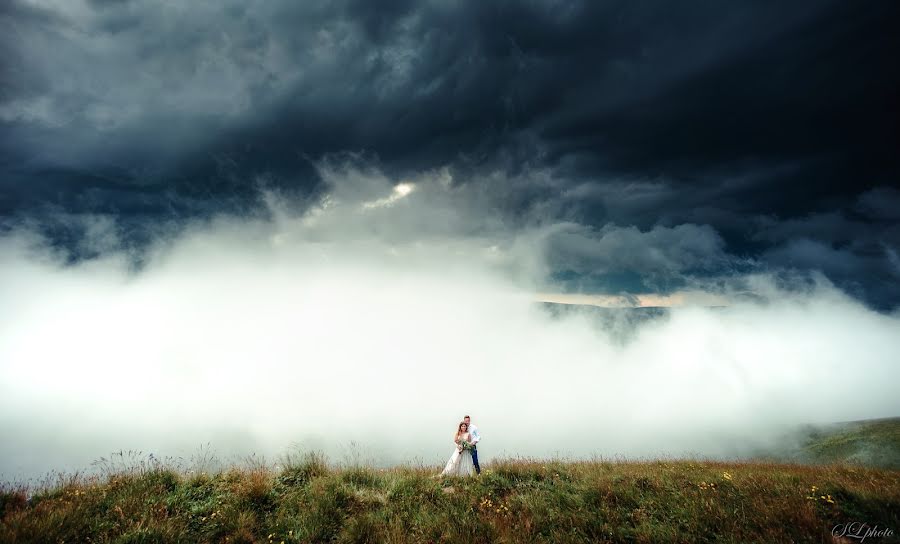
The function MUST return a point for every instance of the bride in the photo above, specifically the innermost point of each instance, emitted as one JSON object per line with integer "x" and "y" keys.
{"x": 460, "y": 463}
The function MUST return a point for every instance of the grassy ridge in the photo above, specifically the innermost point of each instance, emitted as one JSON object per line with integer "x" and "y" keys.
{"x": 872, "y": 442}
{"x": 512, "y": 501}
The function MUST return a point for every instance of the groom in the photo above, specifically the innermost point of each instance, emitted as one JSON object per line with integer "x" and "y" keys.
{"x": 476, "y": 437}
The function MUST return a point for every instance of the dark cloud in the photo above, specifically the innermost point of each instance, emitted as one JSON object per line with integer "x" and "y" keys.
{"x": 619, "y": 257}
{"x": 678, "y": 138}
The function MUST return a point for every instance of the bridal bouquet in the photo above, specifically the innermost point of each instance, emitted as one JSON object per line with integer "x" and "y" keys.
{"x": 464, "y": 445}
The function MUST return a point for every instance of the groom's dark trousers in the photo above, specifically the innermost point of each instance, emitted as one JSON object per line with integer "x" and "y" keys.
{"x": 475, "y": 459}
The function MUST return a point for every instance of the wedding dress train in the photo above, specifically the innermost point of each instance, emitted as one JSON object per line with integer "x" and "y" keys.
{"x": 460, "y": 463}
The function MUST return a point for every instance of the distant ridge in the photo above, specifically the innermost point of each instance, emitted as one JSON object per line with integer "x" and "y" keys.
{"x": 868, "y": 442}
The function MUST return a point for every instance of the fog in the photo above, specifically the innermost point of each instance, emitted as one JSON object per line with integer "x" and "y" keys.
{"x": 382, "y": 313}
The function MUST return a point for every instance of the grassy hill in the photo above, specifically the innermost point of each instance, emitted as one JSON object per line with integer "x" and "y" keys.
{"x": 823, "y": 476}
{"x": 512, "y": 501}
{"x": 873, "y": 442}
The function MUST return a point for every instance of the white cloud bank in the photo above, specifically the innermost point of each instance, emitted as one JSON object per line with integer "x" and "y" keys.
{"x": 385, "y": 324}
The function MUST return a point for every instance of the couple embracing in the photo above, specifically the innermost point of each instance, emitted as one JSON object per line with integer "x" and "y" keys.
{"x": 464, "y": 460}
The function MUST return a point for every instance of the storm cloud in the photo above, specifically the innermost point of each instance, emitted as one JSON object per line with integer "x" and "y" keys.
{"x": 613, "y": 153}
{"x": 749, "y": 119}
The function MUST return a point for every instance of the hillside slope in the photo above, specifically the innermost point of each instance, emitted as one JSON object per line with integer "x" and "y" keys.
{"x": 873, "y": 442}
{"x": 512, "y": 501}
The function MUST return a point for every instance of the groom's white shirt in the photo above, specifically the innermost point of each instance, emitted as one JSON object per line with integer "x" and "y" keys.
{"x": 476, "y": 436}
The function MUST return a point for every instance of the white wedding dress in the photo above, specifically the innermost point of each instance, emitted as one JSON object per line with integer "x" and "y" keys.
{"x": 460, "y": 463}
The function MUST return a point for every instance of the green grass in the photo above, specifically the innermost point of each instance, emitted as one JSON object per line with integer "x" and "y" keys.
{"x": 872, "y": 442}
{"x": 306, "y": 500}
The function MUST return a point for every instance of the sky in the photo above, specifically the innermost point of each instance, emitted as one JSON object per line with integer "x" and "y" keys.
{"x": 274, "y": 225}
